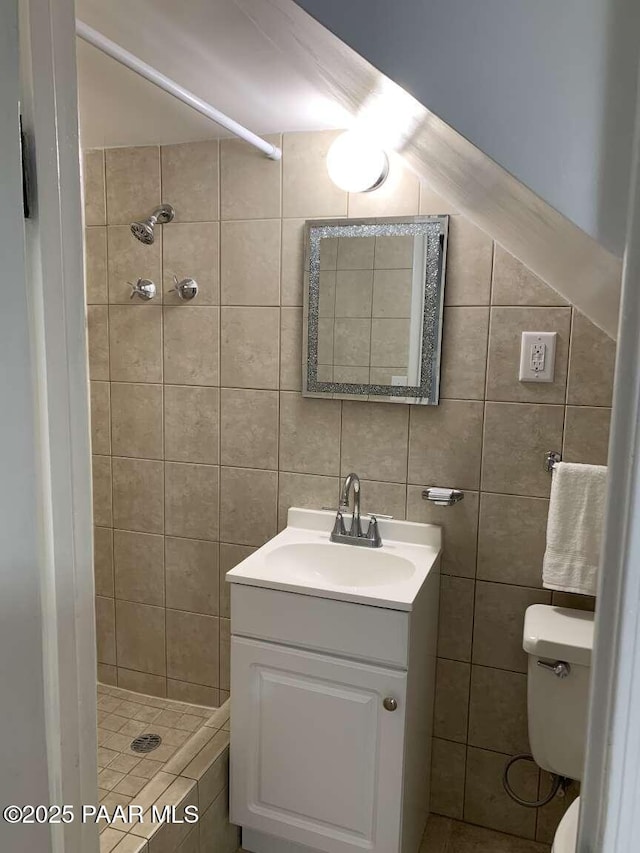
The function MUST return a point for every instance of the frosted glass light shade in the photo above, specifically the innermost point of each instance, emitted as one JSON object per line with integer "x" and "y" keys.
{"x": 355, "y": 164}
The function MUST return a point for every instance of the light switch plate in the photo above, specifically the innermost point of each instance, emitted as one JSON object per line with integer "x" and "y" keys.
{"x": 537, "y": 356}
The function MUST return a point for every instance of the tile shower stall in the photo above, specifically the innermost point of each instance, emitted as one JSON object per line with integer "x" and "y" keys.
{"x": 202, "y": 440}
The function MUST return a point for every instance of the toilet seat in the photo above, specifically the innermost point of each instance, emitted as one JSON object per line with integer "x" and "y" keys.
{"x": 566, "y": 835}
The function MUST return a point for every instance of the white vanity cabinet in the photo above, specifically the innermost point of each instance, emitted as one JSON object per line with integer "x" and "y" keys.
{"x": 332, "y": 707}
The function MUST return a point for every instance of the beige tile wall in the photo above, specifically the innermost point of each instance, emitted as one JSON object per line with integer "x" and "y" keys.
{"x": 202, "y": 439}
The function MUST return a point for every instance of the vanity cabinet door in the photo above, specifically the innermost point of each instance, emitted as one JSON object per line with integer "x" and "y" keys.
{"x": 315, "y": 756}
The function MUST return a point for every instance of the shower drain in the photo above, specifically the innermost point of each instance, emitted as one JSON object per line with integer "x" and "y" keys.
{"x": 146, "y": 743}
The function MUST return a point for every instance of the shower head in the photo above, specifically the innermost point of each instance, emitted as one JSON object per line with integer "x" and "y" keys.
{"x": 143, "y": 230}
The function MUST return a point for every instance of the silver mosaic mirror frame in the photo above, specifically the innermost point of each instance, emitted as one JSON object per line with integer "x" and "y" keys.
{"x": 435, "y": 229}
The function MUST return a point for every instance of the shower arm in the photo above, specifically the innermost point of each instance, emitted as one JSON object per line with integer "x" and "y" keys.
{"x": 115, "y": 51}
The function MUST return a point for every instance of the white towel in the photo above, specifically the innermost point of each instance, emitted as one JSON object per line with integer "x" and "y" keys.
{"x": 574, "y": 528}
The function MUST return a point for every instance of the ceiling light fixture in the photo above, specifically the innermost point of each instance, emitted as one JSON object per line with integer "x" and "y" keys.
{"x": 355, "y": 164}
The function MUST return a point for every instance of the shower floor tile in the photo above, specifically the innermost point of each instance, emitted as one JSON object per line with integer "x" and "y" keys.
{"x": 123, "y": 715}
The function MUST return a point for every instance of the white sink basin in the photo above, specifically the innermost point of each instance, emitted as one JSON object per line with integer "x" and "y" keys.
{"x": 303, "y": 559}
{"x": 339, "y": 565}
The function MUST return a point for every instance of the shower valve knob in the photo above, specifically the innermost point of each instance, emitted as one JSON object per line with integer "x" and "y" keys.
{"x": 186, "y": 289}
{"x": 144, "y": 288}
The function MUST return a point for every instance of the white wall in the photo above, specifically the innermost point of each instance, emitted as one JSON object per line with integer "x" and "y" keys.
{"x": 546, "y": 89}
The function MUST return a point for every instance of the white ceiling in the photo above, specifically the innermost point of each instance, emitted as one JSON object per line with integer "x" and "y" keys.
{"x": 208, "y": 46}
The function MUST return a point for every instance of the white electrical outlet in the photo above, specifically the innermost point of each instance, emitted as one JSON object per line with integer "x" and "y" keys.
{"x": 537, "y": 356}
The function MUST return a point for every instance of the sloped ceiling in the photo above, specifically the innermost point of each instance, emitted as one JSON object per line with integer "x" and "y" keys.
{"x": 210, "y": 47}
{"x": 272, "y": 67}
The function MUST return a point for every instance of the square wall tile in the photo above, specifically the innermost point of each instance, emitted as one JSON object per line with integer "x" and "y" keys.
{"x": 389, "y": 342}
{"x": 516, "y": 438}
{"x": 393, "y": 253}
{"x": 95, "y": 211}
{"x": 230, "y": 556}
{"x": 191, "y": 424}
{"x": 593, "y": 356}
{"x": 499, "y": 622}
{"x": 107, "y": 674}
{"x": 140, "y": 637}
{"x": 136, "y": 420}
{"x": 192, "y": 575}
{"x": 514, "y": 284}
{"x": 309, "y": 434}
{"x": 135, "y": 341}
{"x": 292, "y": 263}
{"x": 455, "y": 622}
{"x": 248, "y": 505}
{"x": 486, "y": 803}
{"x": 459, "y": 525}
{"x": 100, "y": 417}
{"x": 469, "y": 263}
{"x": 142, "y": 682}
{"x": 507, "y": 326}
{"x": 448, "y": 762}
{"x": 191, "y": 500}
{"x": 291, "y": 349}
{"x": 586, "y": 435}
{"x": 129, "y": 260}
{"x": 465, "y": 335}
{"x": 191, "y": 345}
{"x": 103, "y": 560}
{"x": 512, "y": 539}
{"x": 307, "y": 189}
{"x": 98, "y": 341}
{"x": 249, "y": 428}
{"x": 375, "y": 440}
{"x": 451, "y": 700}
{"x": 138, "y": 499}
{"x": 433, "y": 203}
{"x": 249, "y": 183}
{"x": 309, "y": 491}
{"x": 133, "y": 183}
{"x": 101, "y": 477}
{"x": 105, "y": 630}
{"x": 383, "y": 499}
{"x": 195, "y": 694}
{"x": 399, "y": 195}
{"x": 250, "y": 262}
{"x": 139, "y": 567}
{"x": 192, "y": 647}
{"x": 191, "y": 250}
{"x": 498, "y": 710}
{"x": 190, "y": 180}
{"x": 250, "y": 347}
{"x": 95, "y": 251}
{"x": 445, "y": 444}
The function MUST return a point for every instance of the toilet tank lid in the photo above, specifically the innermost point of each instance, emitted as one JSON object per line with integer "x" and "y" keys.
{"x": 558, "y": 633}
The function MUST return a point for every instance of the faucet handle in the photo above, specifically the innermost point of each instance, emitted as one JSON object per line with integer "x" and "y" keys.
{"x": 373, "y": 533}
{"x": 338, "y": 526}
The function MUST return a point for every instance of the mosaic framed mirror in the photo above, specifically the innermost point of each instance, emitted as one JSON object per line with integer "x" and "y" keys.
{"x": 373, "y": 297}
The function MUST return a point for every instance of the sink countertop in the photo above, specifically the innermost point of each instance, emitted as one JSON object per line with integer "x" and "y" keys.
{"x": 403, "y": 543}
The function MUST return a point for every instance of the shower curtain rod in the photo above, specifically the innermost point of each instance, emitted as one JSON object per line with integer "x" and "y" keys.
{"x": 115, "y": 51}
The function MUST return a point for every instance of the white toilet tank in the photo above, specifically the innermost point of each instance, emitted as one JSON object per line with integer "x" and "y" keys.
{"x": 557, "y": 706}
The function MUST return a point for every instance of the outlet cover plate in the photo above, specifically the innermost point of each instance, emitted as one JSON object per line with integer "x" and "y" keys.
{"x": 537, "y": 356}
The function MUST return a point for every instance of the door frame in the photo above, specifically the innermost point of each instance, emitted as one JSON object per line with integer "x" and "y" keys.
{"x": 56, "y": 327}
{"x": 609, "y": 814}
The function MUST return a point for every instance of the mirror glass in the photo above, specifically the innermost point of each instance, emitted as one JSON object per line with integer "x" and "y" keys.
{"x": 373, "y": 308}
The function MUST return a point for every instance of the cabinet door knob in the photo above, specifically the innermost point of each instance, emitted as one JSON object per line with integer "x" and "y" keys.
{"x": 389, "y": 704}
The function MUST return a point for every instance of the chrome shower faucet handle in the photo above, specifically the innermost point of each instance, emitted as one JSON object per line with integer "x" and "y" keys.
{"x": 144, "y": 288}
{"x": 186, "y": 289}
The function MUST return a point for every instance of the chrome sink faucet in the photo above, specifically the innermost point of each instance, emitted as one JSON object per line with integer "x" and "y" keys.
{"x": 355, "y": 536}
